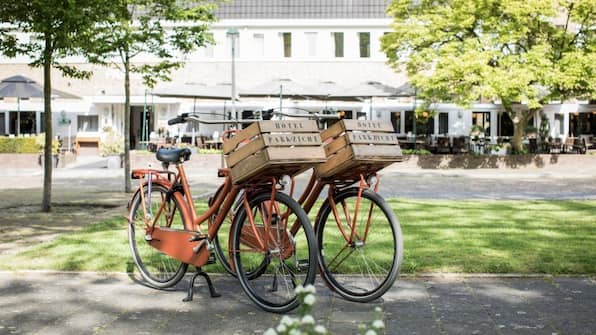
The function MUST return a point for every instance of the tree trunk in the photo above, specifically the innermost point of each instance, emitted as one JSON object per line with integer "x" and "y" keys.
{"x": 46, "y": 205}
{"x": 127, "y": 182}
{"x": 520, "y": 121}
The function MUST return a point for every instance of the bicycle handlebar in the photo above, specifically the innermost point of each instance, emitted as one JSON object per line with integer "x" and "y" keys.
{"x": 185, "y": 117}
{"x": 178, "y": 119}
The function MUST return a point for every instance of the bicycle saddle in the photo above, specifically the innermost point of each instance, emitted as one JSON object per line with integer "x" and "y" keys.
{"x": 173, "y": 155}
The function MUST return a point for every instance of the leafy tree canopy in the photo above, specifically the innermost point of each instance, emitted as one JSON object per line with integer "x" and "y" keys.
{"x": 508, "y": 50}
{"x": 56, "y": 29}
{"x": 162, "y": 29}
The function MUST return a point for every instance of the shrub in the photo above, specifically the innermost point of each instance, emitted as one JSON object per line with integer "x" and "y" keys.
{"x": 24, "y": 145}
{"x": 110, "y": 142}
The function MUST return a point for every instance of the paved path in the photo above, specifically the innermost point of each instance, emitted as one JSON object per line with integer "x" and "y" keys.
{"x": 88, "y": 303}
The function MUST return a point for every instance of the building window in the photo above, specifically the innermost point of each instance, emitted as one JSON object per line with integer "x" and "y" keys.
{"x": 311, "y": 44}
{"x": 2, "y": 123}
{"x": 87, "y": 123}
{"x": 482, "y": 120}
{"x": 338, "y": 44}
{"x": 396, "y": 121}
{"x": 28, "y": 122}
{"x": 443, "y": 123}
{"x": 258, "y": 45}
{"x": 505, "y": 125}
{"x": 287, "y": 44}
{"x": 409, "y": 122}
{"x": 364, "y": 39}
{"x": 559, "y": 124}
{"x": 582, "y": 124}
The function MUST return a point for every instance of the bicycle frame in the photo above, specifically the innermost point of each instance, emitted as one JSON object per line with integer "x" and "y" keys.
{"x": 314, "y": 188}
{"x": 191, "y": 245}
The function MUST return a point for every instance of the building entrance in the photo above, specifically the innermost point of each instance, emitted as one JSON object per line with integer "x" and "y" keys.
{"x": 141, "y": 125}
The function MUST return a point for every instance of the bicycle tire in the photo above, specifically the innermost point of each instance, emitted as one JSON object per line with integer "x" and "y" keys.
{"x": 377, "y": 259}
{"x": 220, "y": 245}
{"x": 157, "y": 269}
{"x": 292, "y": 255}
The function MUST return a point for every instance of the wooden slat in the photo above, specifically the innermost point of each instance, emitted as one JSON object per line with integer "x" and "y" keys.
{"x": 244, "y": 151}
{"x": 372, "y": 138}
{"x": 368, "y": 125}
{"x": 336, "y": 145}
{"x": 324, "y": 169}
{"x": 280, "y": 126}
{"x": 356, "y": 125}
{"x": 288, "y": 126}
{"x": 300, "y": 139}
{"x": 230, "y": 144}
{"x": 335, "y": 130}
{"x": 376, "y": 152}
{"x": 289, "y": 160}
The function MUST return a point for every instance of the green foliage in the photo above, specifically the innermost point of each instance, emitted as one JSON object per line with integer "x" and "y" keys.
{"x": 57, "y": 29}
{"x": 111, "y": 142}
{"x": 509, "y": 50}
{"x": 143, "y": 27}
{"x": 415, "y": 152}
{"x": 461, "y": 50}
{"x": 487, "y": 236}
{"x": 25, "y": 145}
{"x": 18, "y": 145}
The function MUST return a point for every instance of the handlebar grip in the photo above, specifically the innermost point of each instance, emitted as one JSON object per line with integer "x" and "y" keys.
{"x": 178, "y": 119}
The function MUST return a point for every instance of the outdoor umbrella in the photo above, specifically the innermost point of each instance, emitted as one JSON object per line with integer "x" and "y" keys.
{"x": 196, "y": 91}
{"x": 366, "y": 90}
{"x": 22, "y": 87}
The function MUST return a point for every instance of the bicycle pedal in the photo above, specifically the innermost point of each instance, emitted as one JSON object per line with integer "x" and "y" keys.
{"x": 211, "y": 259}
{"x": 303, "y": 264}
{"x": 197, "y": 237}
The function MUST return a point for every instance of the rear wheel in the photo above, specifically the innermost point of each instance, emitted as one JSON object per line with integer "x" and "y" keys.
{"x": 286, "y": 258}
{"x": 361, "y": 265}
{"x": 157, "y": 269}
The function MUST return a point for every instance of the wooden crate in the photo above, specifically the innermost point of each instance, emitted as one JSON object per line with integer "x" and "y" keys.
{"x": 268, "y": 149}
{"x": 355, "y": 147}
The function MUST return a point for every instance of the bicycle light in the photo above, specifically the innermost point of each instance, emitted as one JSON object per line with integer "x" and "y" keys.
{"x": 372, "y": 180}
{"x": 285, "y": 180}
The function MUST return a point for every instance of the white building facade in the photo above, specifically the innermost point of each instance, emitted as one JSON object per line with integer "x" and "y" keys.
{"x": 308, "y": 42}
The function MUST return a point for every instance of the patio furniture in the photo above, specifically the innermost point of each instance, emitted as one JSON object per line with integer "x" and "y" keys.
{"x": 555, "y": 146}
{"x": 443, "y": 145}
{"x": 532, "y": 145}
{"x": 568, "y": 145}
{"x": 580, "y": 146}
{"x": 460, "y": 145}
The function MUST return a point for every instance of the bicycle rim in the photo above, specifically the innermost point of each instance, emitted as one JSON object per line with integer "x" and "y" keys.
{"x": 289, "y": 260}
{"x": 157, "y": 269}
{"x": 360, "y": 265}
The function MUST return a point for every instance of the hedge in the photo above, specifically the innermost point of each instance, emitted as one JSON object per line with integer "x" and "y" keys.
{"x": 21, "y": 145}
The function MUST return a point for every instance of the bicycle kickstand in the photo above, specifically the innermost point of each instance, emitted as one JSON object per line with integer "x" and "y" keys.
{"x": 202, "y": 273}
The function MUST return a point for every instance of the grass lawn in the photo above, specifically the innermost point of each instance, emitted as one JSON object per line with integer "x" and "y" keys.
{"x": 494, "y": 236}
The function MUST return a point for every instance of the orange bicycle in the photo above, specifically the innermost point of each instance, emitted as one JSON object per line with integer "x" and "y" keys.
{"x": 360, "y": 247}
{"x": 271, "y": 241}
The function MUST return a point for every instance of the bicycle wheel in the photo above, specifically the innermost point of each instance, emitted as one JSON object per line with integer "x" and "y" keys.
{"x": 363, "y": 267}
{"x": 158, "y": 269}
{"x": 220, "y": 241}
{"x": 289, "y": 256}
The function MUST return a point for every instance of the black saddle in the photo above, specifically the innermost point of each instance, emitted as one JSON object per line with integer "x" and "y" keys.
{"x": 173, "y": 155}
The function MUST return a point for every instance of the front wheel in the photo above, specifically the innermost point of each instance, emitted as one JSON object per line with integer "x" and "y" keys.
{"x": 277, "y": 240}
{"x": 158, "y": 269}
{"x": 360, "y": 262}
